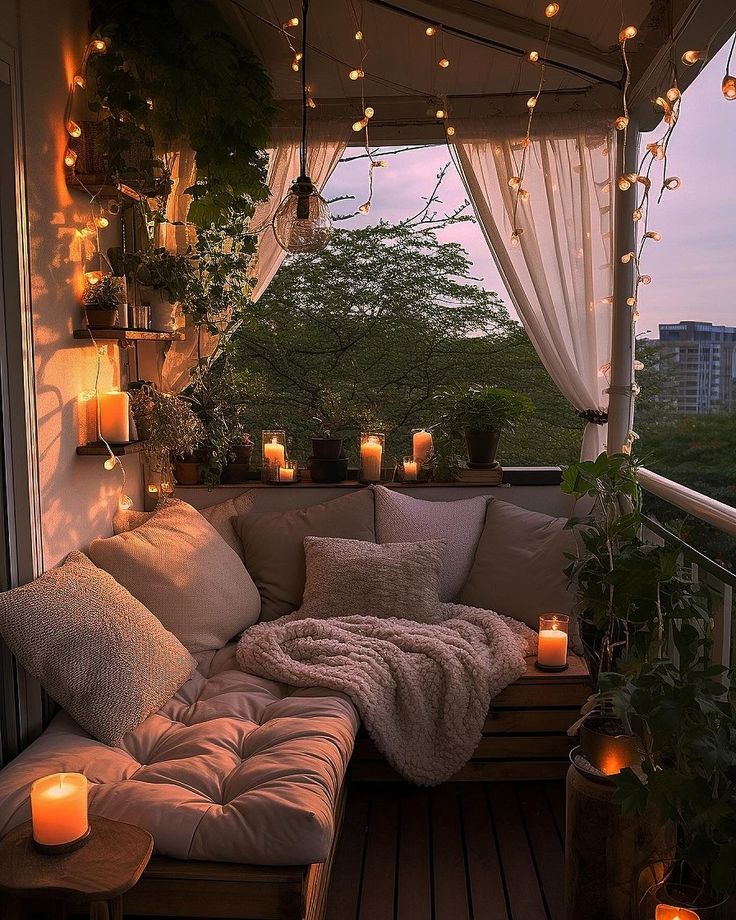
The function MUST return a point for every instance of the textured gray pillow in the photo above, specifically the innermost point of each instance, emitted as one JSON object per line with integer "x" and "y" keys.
{"x": 403, "y": 519}
{"x": 355, "y": 578}
{"x": 274, "y": 544}
{"x": 97, "y": 650}
{"x": 518, "y": 567}
{"x": 178, "y": 565}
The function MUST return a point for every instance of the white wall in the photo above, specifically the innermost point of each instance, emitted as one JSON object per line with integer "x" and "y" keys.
{"x": 78, "y": 497}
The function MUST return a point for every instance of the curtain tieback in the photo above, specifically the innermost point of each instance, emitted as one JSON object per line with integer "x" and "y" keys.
{"x": 593, "y": 416}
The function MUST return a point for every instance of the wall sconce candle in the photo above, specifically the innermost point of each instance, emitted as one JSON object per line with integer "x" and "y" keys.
{"x": 372, "y": 444}
{"x": 552, "y": 654}
{"x": 59, "y": 811}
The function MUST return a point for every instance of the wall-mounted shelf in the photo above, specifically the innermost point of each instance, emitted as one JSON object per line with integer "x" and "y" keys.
{"x": 129, "y": 335}
{"x": 98, "y": 449}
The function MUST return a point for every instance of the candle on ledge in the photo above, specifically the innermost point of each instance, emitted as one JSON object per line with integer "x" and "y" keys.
{"x": 411, "y": 469}
{"x": 288, "y": 471}
{"x": 59, "y": 809}
{"x": 422, "y": 445}
{"x": 114, "y": 416}
{"x": 274, "y": 454}
{"x": 371, "y": 457}
{"x": 669, "y": 912}
{"x": 552, "y": 654}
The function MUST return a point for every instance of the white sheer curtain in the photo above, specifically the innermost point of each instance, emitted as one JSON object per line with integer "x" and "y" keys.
{"x": 327, "y": 142}
{"x": 560, "y": 276}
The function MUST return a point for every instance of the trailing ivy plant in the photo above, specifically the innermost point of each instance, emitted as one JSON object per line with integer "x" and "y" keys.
{"x": 638, "y": 602}
{"x": 174, "y": 68}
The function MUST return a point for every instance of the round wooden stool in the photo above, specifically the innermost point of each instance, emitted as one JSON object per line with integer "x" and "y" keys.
{"x": 97, "y": 874}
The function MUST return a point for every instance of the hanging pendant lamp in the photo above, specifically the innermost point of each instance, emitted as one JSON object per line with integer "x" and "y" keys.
{"x": 302, "y": 222}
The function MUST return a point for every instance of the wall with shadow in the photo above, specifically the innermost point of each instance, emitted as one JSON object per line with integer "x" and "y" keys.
{"x": 78, "y": 496}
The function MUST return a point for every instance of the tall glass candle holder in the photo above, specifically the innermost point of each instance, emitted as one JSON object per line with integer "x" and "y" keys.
{"x": 372, "y": 444}
{"x": 274, "y": 454}
{"x": 552, "y": 654}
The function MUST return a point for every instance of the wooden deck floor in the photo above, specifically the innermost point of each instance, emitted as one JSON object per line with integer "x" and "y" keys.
{"x": 462, "y": 851}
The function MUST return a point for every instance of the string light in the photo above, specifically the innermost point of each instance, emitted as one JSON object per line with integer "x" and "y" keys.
{"x": 621, "y": 123}
{"x": 674, "y": 182}
{"x": 514, "y": 181}
{"x": 627, "y": 33}
{"x": 673, "y": 94}
{"x": 359, "y": 125}
{"x": 450, "y": 131}
{"x": 291, "y": 23}
{"x": 358, "y": 36}
{"x": 70, "y": 157}
{"x": 365, "y": 207}
{"x": 73, "y": 128}
{"x": 692, "y": 57}
{"x": 729, "y": 87}
{"x": 533, "y": 57}
{"x": 531, "y": 102}
{"x": 102, "y": 222}
{"x": 79, "y": 81}
{"x": 431, "y": 31}
{"x": 99, "y": 45}
{"x": 443, "y": 62}
{"x": 369, "y": 111}
{"x": 357, "y": 74}
{"x": 94, "y": 277}
{"x": 653, "y": 235}
{"x": 440, "y": 113}
{"x": 110, "y": 463}
{"x": 551, "y": 10}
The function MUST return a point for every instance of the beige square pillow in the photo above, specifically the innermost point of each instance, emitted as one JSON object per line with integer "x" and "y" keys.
{"x": 178, "y": 565}
{"x": 402, "y": 518}
{"x": 273, "y": 542}
{"x": 221, "y": 516}
{"x": 354, "y": 578}
{"x": 518, "y": 567}
{"x": 96, "y": 649}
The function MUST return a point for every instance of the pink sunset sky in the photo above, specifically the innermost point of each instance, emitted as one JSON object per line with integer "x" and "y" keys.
{"x": 694, "y": 266}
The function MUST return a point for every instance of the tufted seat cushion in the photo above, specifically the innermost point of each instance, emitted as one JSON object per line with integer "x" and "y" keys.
{"x": 234, "y": 768}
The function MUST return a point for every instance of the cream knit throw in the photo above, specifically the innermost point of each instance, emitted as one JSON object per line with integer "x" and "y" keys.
{"x": 422, "y": 690}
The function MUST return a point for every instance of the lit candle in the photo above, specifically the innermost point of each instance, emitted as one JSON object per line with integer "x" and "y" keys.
{"x": 286, "y": 474}
{"x": 668, "y": 912}
{"x": 153, "y": 490}
{"x": 274, "y": 453}
{"x": 114, "y": 412}
{"x": 59, "y": 808}
{"x": 422, "y": 445}
{"x": 552, "y": 641}
{"x": 411, "y": 469}
{"x": 371, "y": 456}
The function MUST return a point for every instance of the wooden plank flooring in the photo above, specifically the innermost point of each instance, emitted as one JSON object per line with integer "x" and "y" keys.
{"x": 478, "y": 851}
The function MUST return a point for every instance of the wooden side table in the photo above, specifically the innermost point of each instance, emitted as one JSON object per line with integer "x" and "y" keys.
{"x": 96, "y": 875}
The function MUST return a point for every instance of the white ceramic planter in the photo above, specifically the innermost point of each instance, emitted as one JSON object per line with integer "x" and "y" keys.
{"x": 162, "y": 313}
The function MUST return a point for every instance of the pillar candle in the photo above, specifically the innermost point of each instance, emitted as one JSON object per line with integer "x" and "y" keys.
{"x": 410, "y": 470}
{"x": 59, "y": 808}
{"x": 552, "y": 647}
{"x": 668, "y": 912}
{"x": 371, "y": 455}
{"x": 286, "y": 474}
{"x": 114, "y": 412}
{"x": 274, "y": 453}
{"x": 422, "y": 445}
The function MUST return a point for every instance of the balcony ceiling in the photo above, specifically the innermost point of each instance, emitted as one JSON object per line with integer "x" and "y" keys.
{"x": 486, "y": 42}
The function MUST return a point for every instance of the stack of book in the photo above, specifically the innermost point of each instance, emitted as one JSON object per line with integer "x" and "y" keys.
{"x": 492, "y": 477}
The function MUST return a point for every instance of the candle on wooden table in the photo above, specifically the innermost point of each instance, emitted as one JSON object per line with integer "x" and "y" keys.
{"x": 669, "y": 912}
{"x": 422, "y": 445}
{"x": 114, "y": 417}
{"x": 371, "y": 457}
{"x": 552, "y": 641}
{"x": 59, "y": 808}
{"x": 411, "y": 469}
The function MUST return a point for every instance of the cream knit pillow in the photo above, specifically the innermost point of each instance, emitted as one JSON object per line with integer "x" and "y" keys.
{"x": 96, "y": 649}
{"x": 183, "y": 571}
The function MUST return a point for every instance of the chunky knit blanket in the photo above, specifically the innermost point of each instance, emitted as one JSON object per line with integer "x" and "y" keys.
{"x": 422, "y": 690}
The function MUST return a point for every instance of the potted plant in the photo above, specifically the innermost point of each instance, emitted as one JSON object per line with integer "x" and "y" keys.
{"x": 101, "y": 302}
{"x": 172, "y": 431}
{"x": 481, "y": 414}
{"x": 238, "y": 464}
{"x": 164, "y": 278}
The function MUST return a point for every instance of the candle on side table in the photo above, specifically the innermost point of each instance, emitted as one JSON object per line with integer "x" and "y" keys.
{"x": 552, "y": 654}
{"x": 114, "y": 417}
{"x": 59, "y": 809}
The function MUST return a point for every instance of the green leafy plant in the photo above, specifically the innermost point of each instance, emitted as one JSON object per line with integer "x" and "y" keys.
{"x": 105, "y": 295}
{"x": 638, "y": 604}
{"x": 487, "y": 408}
{"x": 166, "y": 272}
{"x": 167, "y": 423}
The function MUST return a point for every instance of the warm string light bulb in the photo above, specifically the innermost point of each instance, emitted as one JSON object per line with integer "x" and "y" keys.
{"x": 110, "y": 463}
{"x": 358, "y": 36}
{"x": 102, "y": 222}
{"x": 626, "y": 181}
{"x": 440, "y": 113}
{"x": 369, "y": 111}
{"x": 356, "y": 74}
{"x": 672, "y": 183}
{"x": 73, "y": 128}
{"x": 431, "y": 31}
{"x": 636, "y": 214}
{"x": 645, "y": 279}
{"x": 291, "y": 23}
{"x": 514, "y": 181}
{"x": 125, "y": 503}
{"x": 79, "y": 81}
{"x": 450, "y": 131}
{"x": 673, "y": 94}
{"x": 70, "y": 157}
{"x": 621, "y": 123}
{"x": 359, "y": 125}
{"x": 94, "y": 277}
{"x": 551, "y": 10}
{"x": 524, "y": 194}
{"x": 98, "y": 45}
{"x": 365, "y": 207}
{"x": 627, "y": 33}
{"x": 533, "y": 57}
{"x": 531, "y": 102}
{"x": 627, "y": 257}
{"x": 729, "y": 87}
{"x": 653, "y": 235}
{"x": 443, "y": 62}
{"x": 692, "y": 57}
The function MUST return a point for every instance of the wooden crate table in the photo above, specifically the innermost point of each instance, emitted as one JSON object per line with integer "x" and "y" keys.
{"x": 96, "y": 875}
{"x": 524, "y": 736}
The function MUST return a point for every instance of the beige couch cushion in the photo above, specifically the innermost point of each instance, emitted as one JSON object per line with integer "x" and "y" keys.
{"x": 518, "y": 567}
{"x": 402, "y": 518}
{"x": 356, "y": 578}
{"x": 221, "y": 516}
{"x": 234, "y": 768}
{"x": 96, "y": 649}
{"x": 273, "y": 542}
{"x": 183, "y": 571}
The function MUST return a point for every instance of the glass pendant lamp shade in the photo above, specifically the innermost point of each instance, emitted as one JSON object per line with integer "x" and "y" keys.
{"x": 302, "y": 222}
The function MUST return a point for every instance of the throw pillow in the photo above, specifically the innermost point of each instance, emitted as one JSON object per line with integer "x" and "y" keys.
{"x": 402, "y": 518}
{"x": 355, "y": 578}
{"x": 518, "y": 567}
{"x": 178, "y": 565}
{"x": 96, "y": 649}
{"x": 273, "y": 542}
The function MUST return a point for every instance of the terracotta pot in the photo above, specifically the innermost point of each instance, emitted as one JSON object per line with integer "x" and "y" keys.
{"x": 101, "y": 318}
{"x": 481, "y": 447}
{"x": 186, "y": 471}
{"x": 327, "y": 448}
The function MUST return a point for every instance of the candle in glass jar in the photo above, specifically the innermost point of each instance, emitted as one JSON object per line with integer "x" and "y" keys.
{"x": 286, "y": 474}
{"x": 552, "y": 651}
{"x": 114, "y": 417}
{"x": 59, "y": 808}
{"x": 411, "y": 470}
{"x": 668, "y": 912}
{"x": 274, "y": 453}
{"x": 371, "y": 456}
{"x": 422, "y": 445}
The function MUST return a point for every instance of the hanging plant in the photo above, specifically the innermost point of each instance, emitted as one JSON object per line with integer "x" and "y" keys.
{"x": 174, "y": 69}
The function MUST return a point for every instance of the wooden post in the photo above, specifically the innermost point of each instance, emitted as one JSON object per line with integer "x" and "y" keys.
{"x": 605, "y": 851}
